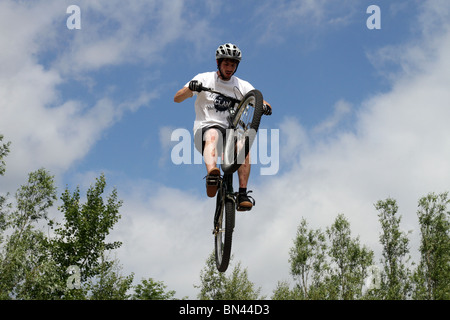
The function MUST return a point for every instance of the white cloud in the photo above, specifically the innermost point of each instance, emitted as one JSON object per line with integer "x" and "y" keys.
{"x": 136, "y": 32}
{"x": 342, "y": 108}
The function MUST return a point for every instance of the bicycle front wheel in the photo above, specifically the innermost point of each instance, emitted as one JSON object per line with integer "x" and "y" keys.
{"x": 245, "y": 126}
{"x": 223, "y": 231}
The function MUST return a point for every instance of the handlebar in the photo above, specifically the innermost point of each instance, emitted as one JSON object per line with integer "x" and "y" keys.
{"x": 202, "y": 88}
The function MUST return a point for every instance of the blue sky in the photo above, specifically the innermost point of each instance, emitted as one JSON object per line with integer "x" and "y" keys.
{"x": 360, "y": 113}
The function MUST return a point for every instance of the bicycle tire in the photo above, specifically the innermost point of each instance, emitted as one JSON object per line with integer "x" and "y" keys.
{"x": 223, "y": 231}
{"x": 234, "y": 157}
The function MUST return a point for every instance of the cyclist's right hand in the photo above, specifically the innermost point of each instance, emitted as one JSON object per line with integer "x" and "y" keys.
{"x": 267, "y": 109}
{"x": 194, "y": 85}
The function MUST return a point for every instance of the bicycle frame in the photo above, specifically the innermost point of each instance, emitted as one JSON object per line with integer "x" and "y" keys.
{"x": 226, "y": 189}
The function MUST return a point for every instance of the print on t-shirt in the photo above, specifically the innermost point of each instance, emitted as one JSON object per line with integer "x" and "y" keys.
{"x": 222, "y": 103}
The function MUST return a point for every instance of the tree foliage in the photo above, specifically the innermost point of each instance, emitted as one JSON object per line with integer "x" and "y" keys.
{"x": 395, "y": 281}
{"x": 44, "y": 259}
{"x": 432, "y": 276}
{"x": 333, "y": 265}
{"x": 4, "y": 150}
{"x": 152, "y": 290}
{"x": 25, "y": 268}
{"x": 307, "y": 259}
{"x": 216, "y": 285}
{"x": 326, "y": 265}
{"x": 81, "y": 240}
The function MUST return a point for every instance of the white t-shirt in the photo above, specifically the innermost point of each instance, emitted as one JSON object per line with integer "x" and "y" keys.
{"x": 210, "y": 108}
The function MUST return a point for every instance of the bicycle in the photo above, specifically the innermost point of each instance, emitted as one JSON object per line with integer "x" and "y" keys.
{"x": 244, "y": 120}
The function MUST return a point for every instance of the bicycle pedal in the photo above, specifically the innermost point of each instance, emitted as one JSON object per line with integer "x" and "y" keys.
{"x": 212, "y": 180}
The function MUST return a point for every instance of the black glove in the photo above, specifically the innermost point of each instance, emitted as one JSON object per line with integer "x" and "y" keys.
{"x": 267, "y": 110}
{"x": 194, "y": 85}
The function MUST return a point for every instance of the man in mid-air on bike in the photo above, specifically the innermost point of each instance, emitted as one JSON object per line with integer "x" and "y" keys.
{"x": 211, "y": 115}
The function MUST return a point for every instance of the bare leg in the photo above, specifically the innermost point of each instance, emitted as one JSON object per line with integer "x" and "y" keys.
{"x": 244, "y": 202}
{"x": 211, "y": 137}
{"x": 244, "y": 172}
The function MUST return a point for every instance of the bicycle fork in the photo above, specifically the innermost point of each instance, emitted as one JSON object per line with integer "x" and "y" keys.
{"x": 224, "y": 193}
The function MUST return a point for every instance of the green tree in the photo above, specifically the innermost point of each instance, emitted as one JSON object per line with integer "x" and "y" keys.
{"x": 34, "y": 265}
{"x": 212, "y": 282}
{"x": 432, "y": 276}
{"x": 330, "y": 265}
{"x": 25, "y": 270}
{"x": 351, "y": 262}
{"x": 283, "y": 292}
{"x": 81, "y": 240}
{"x": 239, "y": 287}
{"x": 4, "y": 150}
{"x": 216, "y": 285}
{"x": 110, "y": 284}
{"x": 308, "y": 261}
{"x": 152, "y": 290}
{"x": 395, "y": 280}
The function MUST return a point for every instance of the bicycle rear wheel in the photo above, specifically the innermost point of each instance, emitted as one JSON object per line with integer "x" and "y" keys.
{"x": 240, "y": 139}
{"x": 223, "y": 230}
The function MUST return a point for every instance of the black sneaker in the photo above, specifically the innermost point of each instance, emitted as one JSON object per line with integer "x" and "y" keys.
{"x": 244, "y": 202}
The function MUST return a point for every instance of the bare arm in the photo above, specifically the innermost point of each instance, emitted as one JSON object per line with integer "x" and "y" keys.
{"x": 182, "y": 94}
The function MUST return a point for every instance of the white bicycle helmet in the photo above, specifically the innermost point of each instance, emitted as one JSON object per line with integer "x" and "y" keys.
{"x": 228, "y": 51}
